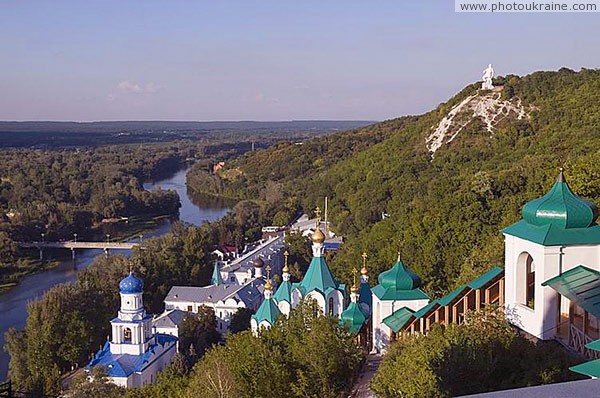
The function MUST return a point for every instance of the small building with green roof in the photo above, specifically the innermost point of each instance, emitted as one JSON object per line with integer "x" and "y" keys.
{"x": 399, "y": 289}
{"x": 267, "y": 313}
{"x": 557, "y": 233}
{"x": 318, "y": 282}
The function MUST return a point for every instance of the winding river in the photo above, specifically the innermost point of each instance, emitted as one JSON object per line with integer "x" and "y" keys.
{"x": 13, "y": 303}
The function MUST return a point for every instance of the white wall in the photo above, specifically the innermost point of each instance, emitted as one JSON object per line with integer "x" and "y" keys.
{"x": 550, "y": 261}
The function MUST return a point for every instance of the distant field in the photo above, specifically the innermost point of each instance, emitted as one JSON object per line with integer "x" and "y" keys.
{"x": 74, "y": 134}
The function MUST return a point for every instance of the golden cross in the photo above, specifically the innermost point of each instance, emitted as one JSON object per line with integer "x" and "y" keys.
{"x": 130, "y": 266}
{"x": 318, "y": 215}
{"x": 285, "y": 257}
{"x": 354, "y": 272}
{"x": 364, "y": 257}
{"x": 268, "y": 271}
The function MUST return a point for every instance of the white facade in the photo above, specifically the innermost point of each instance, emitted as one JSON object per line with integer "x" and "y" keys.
{"x": 135, "y": 352}
{"x": 547, "y": 262}
{"x": 382, "y": 309}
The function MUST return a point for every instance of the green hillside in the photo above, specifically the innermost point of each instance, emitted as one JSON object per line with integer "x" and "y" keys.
{"x": 448, "y": 207}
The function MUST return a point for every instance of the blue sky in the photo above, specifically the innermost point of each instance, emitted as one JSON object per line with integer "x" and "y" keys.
{"x": 265, "y": 60}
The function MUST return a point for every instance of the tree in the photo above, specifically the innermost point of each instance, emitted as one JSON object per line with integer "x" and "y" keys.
{"x": 199, "y": 330}
{"x": 240, "y": 320}
{"x": 96, "y": 384}
{"x": 483, "y": 354}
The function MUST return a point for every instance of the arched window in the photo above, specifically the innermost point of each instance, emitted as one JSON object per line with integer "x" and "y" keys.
{"x": 526, "y": 280}
{"x": 330, "y": 306}
{"x": 530, "y": 299}
{"x": 127, "y": 335}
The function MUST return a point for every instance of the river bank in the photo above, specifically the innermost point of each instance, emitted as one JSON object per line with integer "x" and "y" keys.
{"x": 13, "y": 303}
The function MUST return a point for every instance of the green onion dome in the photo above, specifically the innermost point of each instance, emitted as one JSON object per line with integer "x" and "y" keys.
{"x": 560, "y": 207}
{"x": 399, "y": 277}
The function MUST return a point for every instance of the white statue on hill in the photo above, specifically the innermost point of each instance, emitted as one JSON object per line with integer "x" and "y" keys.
{"x": 488, "y": 75}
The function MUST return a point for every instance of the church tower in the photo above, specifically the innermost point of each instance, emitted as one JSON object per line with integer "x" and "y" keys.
{"x": 558, "y": 232}
{"x": 132, "y": 329}
{"x": 318, "y": 283}
{"x": 283, "y": 295}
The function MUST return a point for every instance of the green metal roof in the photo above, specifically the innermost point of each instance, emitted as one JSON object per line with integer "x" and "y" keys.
{"x": 591, "y": 368}
{"x": 353, "y": 318}
{"x": 398, "y": 319}
{"x": 486, "y": 278}
{"x": 399, "y": 277}
{"x": 450, "y": 297}
{"x": 425, "y": 310}
{"x": 594, "y": 345}
{"x": 268, "y": 311}
{"x": 560, "y": 217}
{"x": 399, "y": 283}
{"x": 560, "y": 207}
{"x": 365, "y": 297}
{"x": 216, "y": 275}
{"x": 318, "y": 277}
{"x": 284, "y": 292}
{"x": 392, "y": 294}
{"x": 552, "y": 235}
{"x": 580, "y": 285}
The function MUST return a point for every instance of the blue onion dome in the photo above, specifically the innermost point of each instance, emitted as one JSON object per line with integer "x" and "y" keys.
{"x": 560, "y": 207}
{"x": 399, "y": 277}
{"x": 131, "y": 284}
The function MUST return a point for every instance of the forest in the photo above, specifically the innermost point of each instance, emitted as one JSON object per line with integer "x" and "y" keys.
{"x": 448, "y": 210}
{"x": 445, "y": 213}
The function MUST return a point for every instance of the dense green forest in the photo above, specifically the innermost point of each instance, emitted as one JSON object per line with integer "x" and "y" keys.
{"x": 72, "y": 320}
{"x": 448, "y": 208}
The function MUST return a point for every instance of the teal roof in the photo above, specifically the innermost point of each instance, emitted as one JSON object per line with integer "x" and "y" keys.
{"x": 391, "y": 294}
{"x": 284, "y": 292}
{"x": 317, "y": 277}
{"x": 594, "y": 345}
{"x": 352, "y": 318}
{"x": 425, "y": 310}
{"x": 580, "y": 285}
{"x": 398, "y": 319}
{"x": 216, "y": 278}
{"x": 591, "y": 368}
{"x": 268, "y": 311}
{"x": 365, "y": 298}
{"x": 399, "y": 277}
{"x": 399, "y": 283}
{"x": 559, "y": 217}
{"x": 486, "y": 278}
{"x": 450, "y": 297}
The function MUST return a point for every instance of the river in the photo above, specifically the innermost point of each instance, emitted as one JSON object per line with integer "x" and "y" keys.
{"x": 13, "y": 303}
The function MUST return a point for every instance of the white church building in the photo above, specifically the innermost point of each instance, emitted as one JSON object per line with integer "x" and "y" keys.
{"x": 135, "y": 353}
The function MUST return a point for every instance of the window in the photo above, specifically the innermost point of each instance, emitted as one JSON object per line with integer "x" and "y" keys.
{"x": 232, "y": 278}
{"x": 526, "y": 280}
{"x": 189, "y": 308}
{"x": 330, "y": 306}
{"x": 530, "y": 299}
{"x": 127, "y": 335}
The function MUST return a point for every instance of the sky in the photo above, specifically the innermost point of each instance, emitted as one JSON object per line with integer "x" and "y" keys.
{"x": 86, "y": 60}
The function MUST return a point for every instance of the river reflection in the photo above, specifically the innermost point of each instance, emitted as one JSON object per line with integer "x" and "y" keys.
{"x": 13, "y": 303}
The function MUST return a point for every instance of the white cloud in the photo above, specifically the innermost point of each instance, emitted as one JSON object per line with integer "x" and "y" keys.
{"x": 128, "y": 86}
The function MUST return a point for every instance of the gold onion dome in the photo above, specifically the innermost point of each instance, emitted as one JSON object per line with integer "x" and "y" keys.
{"x": 318, "y": 236}
{"x": 363, "y": 271}
{"x": 353, "y": 289}
{"x": 268, "y": 285}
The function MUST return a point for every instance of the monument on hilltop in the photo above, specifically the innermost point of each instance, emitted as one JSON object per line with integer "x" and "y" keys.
{"x": 488, "y": 75}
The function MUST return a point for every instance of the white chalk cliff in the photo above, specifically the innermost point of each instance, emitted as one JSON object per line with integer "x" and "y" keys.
{"x": 487, "y": 107}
